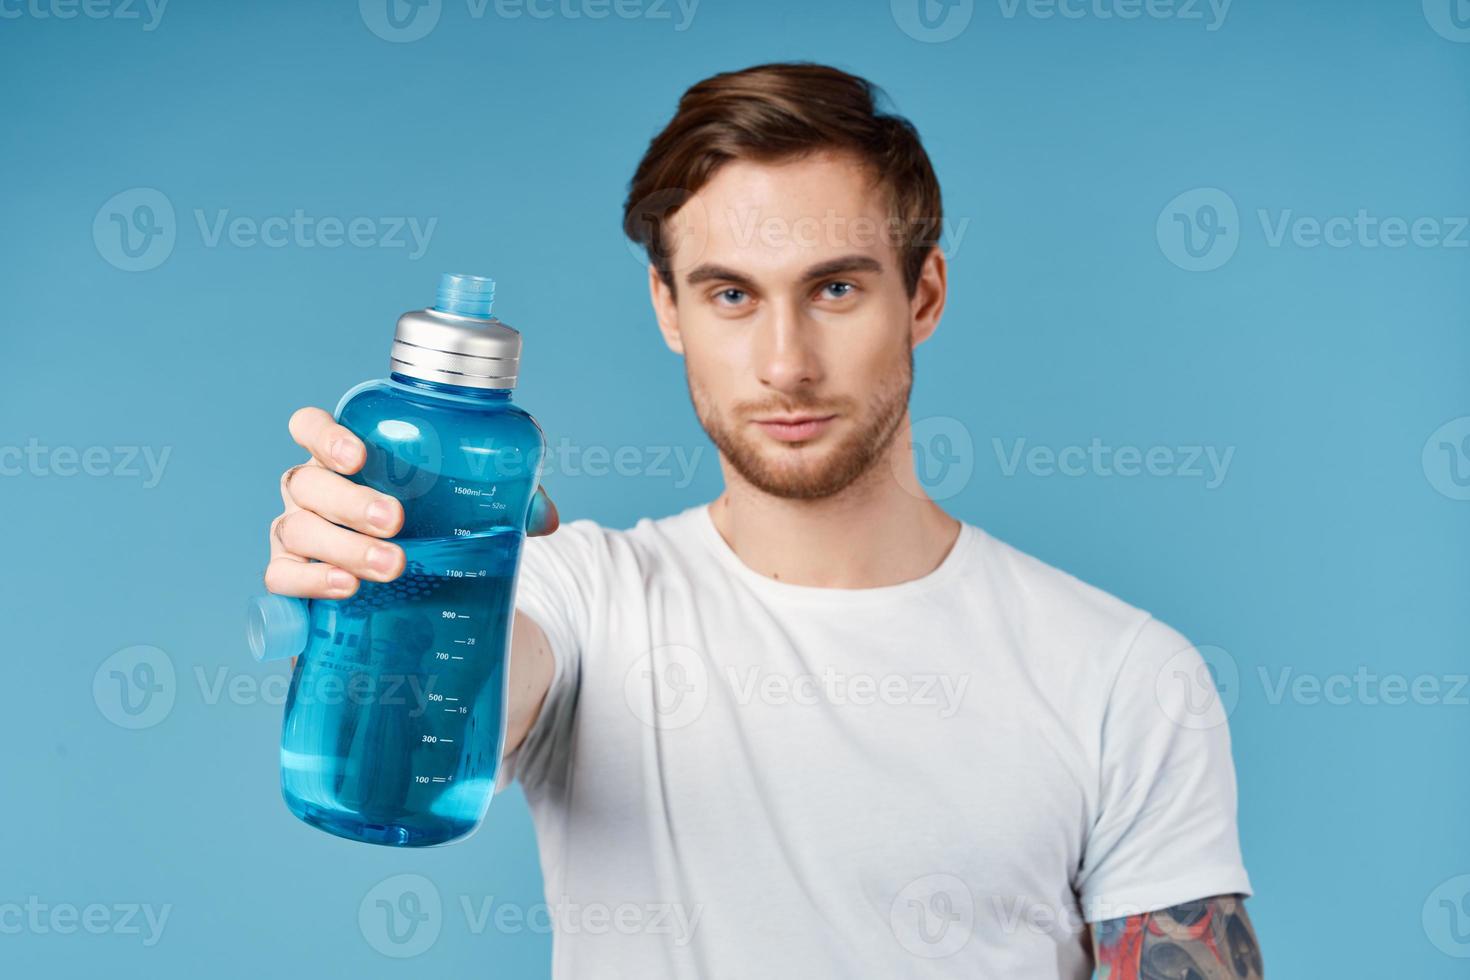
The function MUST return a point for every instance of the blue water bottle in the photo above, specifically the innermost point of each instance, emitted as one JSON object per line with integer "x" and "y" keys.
{"x": 395, "y": 718}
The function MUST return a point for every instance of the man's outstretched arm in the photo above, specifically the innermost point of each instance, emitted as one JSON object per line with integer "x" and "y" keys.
{"x": 1211, "y": 939}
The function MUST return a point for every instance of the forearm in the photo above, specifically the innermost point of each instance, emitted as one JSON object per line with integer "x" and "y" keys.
{"x": 1211, "y": 939}
{"x": 531, "y": 667}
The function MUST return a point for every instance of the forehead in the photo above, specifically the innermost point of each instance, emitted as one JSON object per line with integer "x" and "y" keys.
{"x": 777, "y": 218}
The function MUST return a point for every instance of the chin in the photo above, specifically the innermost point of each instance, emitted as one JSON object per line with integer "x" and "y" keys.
{"x": 796, "y": 471}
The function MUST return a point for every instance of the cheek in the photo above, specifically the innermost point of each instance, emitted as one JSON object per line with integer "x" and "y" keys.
{"x": 716, "y": 360}
{"x": 709, "y": 377}
{"x": 868, "y": 352}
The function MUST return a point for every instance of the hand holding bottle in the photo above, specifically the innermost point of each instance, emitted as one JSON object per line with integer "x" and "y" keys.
{"x": 332, "y": 532}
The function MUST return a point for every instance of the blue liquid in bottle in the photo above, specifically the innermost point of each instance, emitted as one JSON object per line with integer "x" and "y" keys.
{"x": 395, "y": 720}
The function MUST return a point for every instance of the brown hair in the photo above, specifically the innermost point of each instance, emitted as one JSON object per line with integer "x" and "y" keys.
{"x": 775, "y": 112}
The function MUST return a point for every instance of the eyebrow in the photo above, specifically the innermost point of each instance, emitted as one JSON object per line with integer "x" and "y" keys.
{"x": 847, "y": 263}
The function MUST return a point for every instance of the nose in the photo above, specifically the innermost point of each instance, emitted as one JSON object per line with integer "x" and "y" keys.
{"x": 786, "y": 356}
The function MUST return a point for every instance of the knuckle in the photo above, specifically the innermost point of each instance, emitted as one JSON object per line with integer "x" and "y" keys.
{"x": 288, "y": 528}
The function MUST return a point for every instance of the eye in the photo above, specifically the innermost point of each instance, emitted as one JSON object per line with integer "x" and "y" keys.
{"x": 729, "y": 296}
{"x": 843, "y": 289}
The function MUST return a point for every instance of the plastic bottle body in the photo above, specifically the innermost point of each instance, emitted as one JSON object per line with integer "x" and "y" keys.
{"x": 395, "y": 719}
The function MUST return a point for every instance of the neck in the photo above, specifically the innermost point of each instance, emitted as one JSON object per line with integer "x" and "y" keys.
{"x": 880, "y": 530}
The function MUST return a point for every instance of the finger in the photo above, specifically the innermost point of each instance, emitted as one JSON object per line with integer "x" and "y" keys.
{"x": 308, "y": 579}
{"x": 308, "y": 535}
{"x": 333, "y": 445}
{"x": 341, "y": 501}
{"x": 277, "y": 546}
{"x": 290, "y": 475}
{"x": 543, "y": 518}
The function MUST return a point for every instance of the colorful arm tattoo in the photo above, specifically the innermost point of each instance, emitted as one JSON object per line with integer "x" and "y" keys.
{"x": 1211, "y": 939}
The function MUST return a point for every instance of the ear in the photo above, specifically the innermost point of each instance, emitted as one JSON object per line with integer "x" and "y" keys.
{"x": 665, "y": 309}
{"x": 927, "y": 305}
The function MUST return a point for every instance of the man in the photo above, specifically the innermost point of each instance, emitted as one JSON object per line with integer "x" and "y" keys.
{"x": 819, "y": 727}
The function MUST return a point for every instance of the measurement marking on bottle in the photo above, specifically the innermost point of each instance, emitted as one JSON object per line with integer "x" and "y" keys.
{"x": 461, "y": 641}
{"x": 456, "y": 658}
{"x": 438, "y": 779}
{"x": 447, "y": 698}
{"x": 476, "y": 491}
{"x": 447, "y": 741}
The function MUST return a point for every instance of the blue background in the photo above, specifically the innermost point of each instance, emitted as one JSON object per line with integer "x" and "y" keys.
{"x": 1333, "y": 544}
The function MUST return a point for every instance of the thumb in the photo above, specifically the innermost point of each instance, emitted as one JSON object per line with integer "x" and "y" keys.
{"x": 543, "y": 518}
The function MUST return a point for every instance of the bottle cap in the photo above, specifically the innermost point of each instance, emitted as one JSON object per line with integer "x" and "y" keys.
{"x": 276, "y": 627}
{"x": 457, "y": 341}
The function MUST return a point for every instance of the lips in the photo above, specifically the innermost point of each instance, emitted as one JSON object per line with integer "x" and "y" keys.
{"x": 795, "y": 428}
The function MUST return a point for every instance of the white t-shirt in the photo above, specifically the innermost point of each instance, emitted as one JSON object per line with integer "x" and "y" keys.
{"x": 737, "y": 777}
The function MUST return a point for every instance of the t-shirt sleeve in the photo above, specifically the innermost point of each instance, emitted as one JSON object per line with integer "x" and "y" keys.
{"x": 559, "y": 585}
{"x": 1165, "y": 831}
